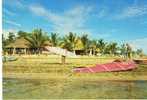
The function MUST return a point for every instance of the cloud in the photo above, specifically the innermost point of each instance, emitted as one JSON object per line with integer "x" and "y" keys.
{"x": 14, "y": 3}
{"x": 39, "y": 10}
{"x": 132, "y": 11}
{"x": 12, "y": 23}
{"x": 102, "y": 13}
{"x": 139, "y": 44}
{"x": 5, "y": 32}
{"x": 8, "y": 12}
{"x": 71, "y": 20}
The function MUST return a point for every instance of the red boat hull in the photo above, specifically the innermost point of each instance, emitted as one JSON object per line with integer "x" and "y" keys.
{"x": 108, "y": 67}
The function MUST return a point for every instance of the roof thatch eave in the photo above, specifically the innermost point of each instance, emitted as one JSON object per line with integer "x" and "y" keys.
{"x": 19, "y": 43}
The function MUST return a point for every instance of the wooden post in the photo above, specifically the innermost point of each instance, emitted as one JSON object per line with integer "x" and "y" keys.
{"x": 90, "y": 53}
{"x": 63, "y": 59}
{"x": 25, "y": 51}
{"x": 74, "y": 51}
{"x": 14, "y": 51}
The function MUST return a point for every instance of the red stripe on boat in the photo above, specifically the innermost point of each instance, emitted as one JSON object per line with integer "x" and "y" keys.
{"x": 114, "y": 66}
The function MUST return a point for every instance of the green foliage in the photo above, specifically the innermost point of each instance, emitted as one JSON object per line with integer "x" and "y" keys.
{"x": 22, "y": 34}
{"x": 69, "y": 41}
{"x": 37, "y": 39}
{"x": 11, "y": 38}
{"x": 123, "y": 49}
{"x": 54, "y": 39}
{"x": 113, "y": 48}
{"x": 139, "y": 52}
{"x": 101, "y": 45}
{"x": 85, "y": 41}
{"x": 4, "y": 42}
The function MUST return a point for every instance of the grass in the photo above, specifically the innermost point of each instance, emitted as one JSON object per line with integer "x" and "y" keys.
{"x": 44, "y": 77}
{"x": 50, "y": 67}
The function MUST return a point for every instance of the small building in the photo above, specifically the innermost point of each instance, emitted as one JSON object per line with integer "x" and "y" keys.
{"x": 21, "y": 46}
{"x": 79, "y": 48}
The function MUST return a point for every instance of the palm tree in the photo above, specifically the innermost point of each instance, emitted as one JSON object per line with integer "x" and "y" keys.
{"x": 37, "y": 40}
{"x": 93, "y": 46}
{"x": 54, "y": 39}
{"x": 123, "y": 49}
{"x": 69, "y": 41}
{"x": 139, "y": 52}
{"x": 85, "y": 42}
{"x": 65, "y": 44}
{"x": 11, "y": 37}
{"x": 101, "y": 45}
{"x": 129, "y": 50}
{"x": 4, "y": 41}
{"x": 113, "y": 48}
{"x": 22, "y": 34}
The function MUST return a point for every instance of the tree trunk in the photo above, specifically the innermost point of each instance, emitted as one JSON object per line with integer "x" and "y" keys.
{"x": 63, "y": 59}
{"x": 25, "y": 51}
{"x": 90, "y": 53}
{"x": 14, "y": 51}
{"x": 94, "y": 52}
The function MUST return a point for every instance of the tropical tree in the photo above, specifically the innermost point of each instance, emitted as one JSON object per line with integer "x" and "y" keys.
{"x": 139, "y": 52}
{"x": 111, "y": 48}
{"x": 22, "y": 34}
{"x": 123, "y": 49}
{"x": 101, "y": 45}
{"x": 37, "y": 40}
{"x": 93, "y": 46}
{"x": 54, "y": 39}
{"x": 11, "y": 37}
{"x": 4, "y": 43}
{"x": 129, "y": 50}
{"x": 69, "y": 41}
{"x": 85, "y": 42}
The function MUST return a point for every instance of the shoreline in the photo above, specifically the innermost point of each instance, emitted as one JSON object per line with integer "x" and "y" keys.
{"x": 72, "y": 76}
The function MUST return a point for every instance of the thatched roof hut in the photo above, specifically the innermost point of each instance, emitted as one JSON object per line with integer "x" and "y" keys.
{"x": 19, "y": 43}
{"x": 23, "y": 43}
{"x": 79, "y": 45}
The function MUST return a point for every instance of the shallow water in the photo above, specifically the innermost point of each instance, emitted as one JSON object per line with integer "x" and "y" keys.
{"x": 53, "y": 88}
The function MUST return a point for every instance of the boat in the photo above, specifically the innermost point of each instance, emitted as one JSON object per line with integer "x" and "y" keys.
{"x": 8, "y": 58}
{"x": 108, "y": 67}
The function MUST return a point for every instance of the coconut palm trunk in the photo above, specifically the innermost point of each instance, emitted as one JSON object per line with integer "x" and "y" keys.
{"x": 63, "y": 58}
{"x": 37, "y": 40}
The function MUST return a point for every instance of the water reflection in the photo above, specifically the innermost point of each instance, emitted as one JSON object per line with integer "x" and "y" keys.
{"x": 45, "y": 89}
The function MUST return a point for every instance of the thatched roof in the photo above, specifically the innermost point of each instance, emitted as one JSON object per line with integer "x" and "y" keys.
{"x": 23, "y": 43}
{"x": 19, "y": 43}
{"x": 79, "y": 45}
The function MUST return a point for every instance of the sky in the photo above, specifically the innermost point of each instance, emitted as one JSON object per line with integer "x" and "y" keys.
{"x": 113, "y": 20}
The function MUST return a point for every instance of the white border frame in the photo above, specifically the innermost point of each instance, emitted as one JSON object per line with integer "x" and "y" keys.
{"x": 1, "y": 49}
